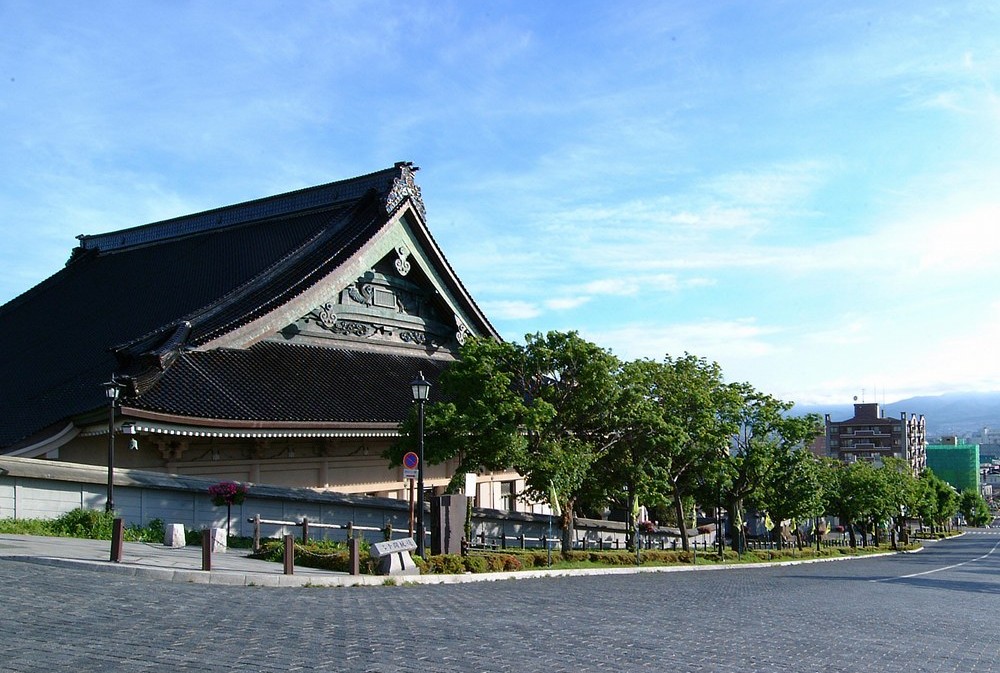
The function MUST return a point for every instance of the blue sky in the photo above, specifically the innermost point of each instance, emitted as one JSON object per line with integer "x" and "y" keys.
{"x": 806, "y": 193}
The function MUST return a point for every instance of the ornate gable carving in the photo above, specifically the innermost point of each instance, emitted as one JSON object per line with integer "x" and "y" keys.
{"x": 402, "y": 187}
{"x": 382, "y": 307}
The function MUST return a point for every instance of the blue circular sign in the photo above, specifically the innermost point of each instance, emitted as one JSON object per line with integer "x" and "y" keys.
{"x": 410, "y": 461}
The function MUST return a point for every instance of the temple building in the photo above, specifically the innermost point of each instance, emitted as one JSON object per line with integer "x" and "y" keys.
{"x": 272, "y": 341}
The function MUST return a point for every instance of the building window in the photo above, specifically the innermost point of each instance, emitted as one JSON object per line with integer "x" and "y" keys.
{"x": 508, "y": 495}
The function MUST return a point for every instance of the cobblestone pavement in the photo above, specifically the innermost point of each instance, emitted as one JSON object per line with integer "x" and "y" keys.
{"x": 931, "y": 611}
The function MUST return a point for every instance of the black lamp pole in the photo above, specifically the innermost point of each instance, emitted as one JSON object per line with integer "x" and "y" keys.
{"x": 421, "y": 388}
{"x": 111, "y": 390}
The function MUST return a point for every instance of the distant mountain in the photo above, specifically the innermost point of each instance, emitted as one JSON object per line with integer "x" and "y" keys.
{"x": 952, "y": 414}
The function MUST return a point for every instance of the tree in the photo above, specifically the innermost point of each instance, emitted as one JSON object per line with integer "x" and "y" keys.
{"x": 698, "y": 412}
{"x": 937, "y": 500}
{"x": 900, "y": 494}
{"x": 543, "y": 409}
{"x": 973, "y": 506}
{"x": 856, "y": 495}
{"x": 674, "y": 419}
{"x": 620, "y": 477}
{"x": 791, "y": 490}
{"x": 765, "y": 434}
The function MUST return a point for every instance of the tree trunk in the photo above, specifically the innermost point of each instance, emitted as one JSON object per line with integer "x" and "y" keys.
{"x": 568, "y": 527}
{"x": 679, "y": 510}
{"x": 902, "y": 537}
{"x": 779, "y": 539}
{"x": 738, "y": 537}
{"x": 632, "y": 529}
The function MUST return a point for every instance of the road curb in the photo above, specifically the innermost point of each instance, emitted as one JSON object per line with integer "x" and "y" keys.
{"x": 249, "y": 579}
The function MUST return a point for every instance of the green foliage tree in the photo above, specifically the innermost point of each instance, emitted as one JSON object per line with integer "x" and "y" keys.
{"x": 900, "y": 494}
{"x": 974, "y": 508}
{"x": 858, "y": 495}
{"x": 765, "y": 435}
{"x": 937, "y": 501}
{"x": 619, "y": 477}
{"x": 675, "y": 418}
{"x": 544, "y": 409}
{"x": 792, "y": 489}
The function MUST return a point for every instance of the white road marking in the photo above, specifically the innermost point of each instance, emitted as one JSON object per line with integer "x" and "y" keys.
{"x": 937, "y": 570}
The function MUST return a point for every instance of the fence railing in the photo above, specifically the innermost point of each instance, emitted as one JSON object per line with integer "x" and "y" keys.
{"x": 306, "y": 525}
{"x": 482, "y": 541}
{"x": 485, "y": 542}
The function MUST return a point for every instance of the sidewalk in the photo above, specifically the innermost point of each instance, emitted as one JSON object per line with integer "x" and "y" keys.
{"x": 174, "y": 564}
{"x": 183, "y": 564}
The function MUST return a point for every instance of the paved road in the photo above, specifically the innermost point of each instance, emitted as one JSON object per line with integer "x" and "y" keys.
{"x": 932, "y": 611}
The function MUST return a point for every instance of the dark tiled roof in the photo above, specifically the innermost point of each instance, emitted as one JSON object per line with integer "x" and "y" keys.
{"x": 281, "y": 382}
{"x": 186, "y": 280}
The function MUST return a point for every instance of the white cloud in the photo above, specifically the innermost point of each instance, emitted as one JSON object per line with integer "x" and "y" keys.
{"x": 566, "y": 303}
{"x": 712, "y": 339}
{"x": 612, "y": 286}
{"x": 511, "y": 310}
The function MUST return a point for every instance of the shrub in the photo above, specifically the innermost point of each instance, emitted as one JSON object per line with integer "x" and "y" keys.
{"x": 25, "y": 526}
{"x": 445, "y": 564}
{"x": 84, "y": 523}
{"x": 151, "y": 532}
{"x": 476, "y": 564}
{"x": 535, "y": 559}
{"x": 494, "y": 563}
{"x": 321, "y": 554}
{"x": 511, "y": 562}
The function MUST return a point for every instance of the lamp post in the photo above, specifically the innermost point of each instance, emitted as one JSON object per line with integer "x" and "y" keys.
{"x": 421, "y": 388}
{"x": 111, "y": 390}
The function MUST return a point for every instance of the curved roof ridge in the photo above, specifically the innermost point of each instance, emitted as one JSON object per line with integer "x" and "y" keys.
{"x": 309, "y": 198}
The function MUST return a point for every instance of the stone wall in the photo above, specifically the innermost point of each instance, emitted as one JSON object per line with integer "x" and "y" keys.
{"x": 44, "y": 489}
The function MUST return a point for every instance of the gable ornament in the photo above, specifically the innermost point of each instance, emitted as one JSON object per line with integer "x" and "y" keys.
{"x": 405, "y": 186}
{"x": 402, "y": 265}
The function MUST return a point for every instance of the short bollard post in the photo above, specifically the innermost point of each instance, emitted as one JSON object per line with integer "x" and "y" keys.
{"x": 289, "y": 554}
{"x": 354, "y": 553}
{"x": 206, "y": 549}
{"x": 256, "y": 532}
{"x": 117, "y": 538}
{"x": 305, "y": 529}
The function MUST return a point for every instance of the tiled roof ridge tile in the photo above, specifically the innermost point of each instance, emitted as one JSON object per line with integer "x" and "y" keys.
{"x": 309, "y": 198}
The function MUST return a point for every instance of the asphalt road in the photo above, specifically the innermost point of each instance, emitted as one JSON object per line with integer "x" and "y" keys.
{"x": 932, "y": 611}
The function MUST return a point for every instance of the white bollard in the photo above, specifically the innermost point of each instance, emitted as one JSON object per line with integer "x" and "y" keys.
{"x": 219, "y": 542}
{"x": 173, "y": 535}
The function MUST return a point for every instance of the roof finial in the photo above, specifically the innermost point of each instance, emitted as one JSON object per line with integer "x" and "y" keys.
{"x": 405, "y": 186}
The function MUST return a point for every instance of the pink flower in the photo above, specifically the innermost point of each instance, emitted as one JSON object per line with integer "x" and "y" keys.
{"x": 227, "y": 493}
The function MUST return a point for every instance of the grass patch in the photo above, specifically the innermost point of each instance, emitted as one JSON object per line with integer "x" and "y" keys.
{"x": 83, "y": 523}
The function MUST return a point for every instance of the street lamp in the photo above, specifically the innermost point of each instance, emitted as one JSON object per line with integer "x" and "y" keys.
{"x": 112, "y": 389}
{"x": 421, "y": 388}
